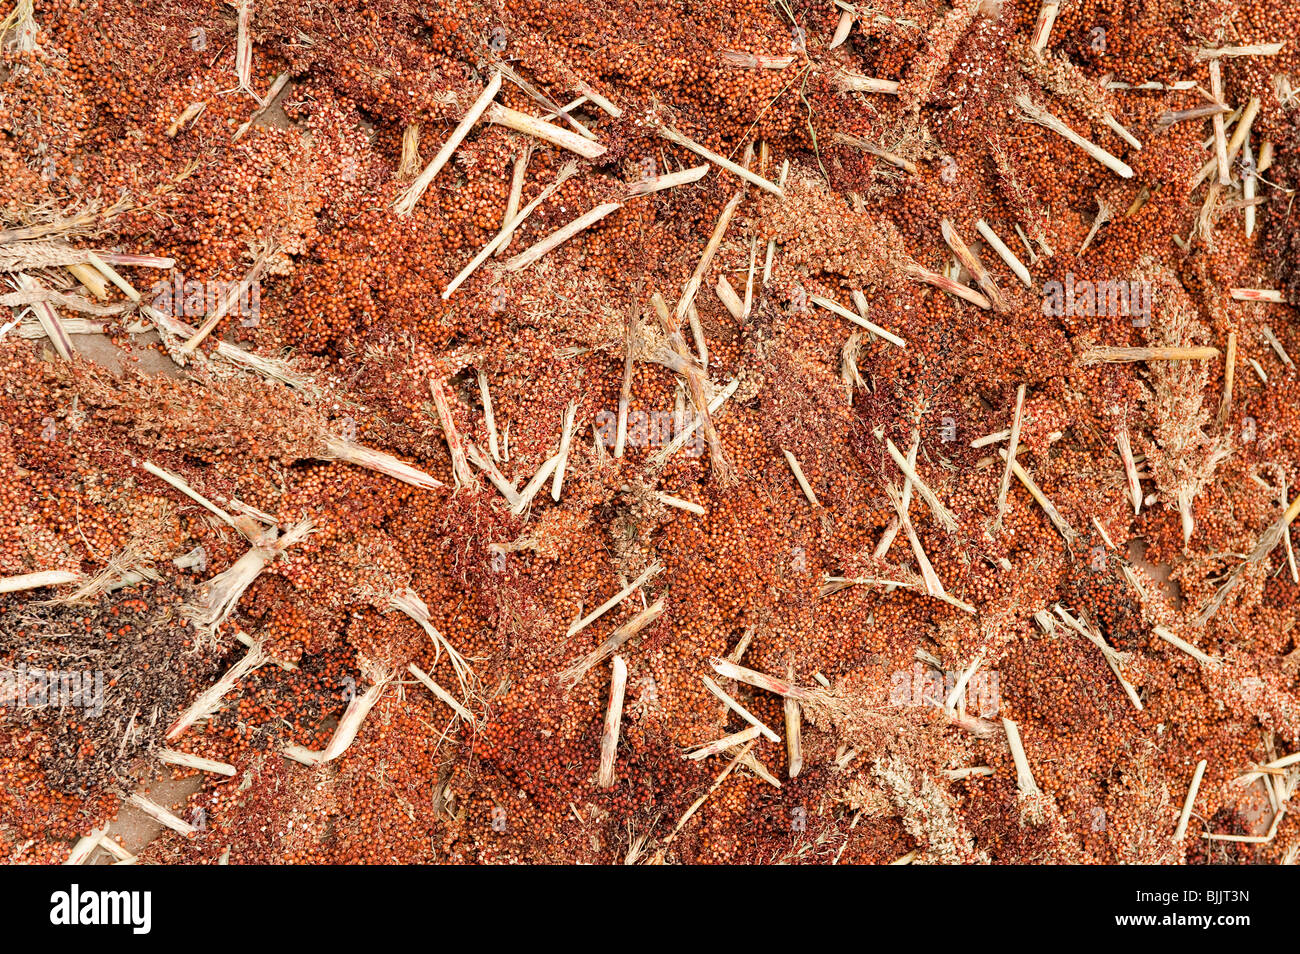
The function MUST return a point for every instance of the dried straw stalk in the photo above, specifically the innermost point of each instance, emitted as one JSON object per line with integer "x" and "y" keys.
{"x": 613, "y": 720}
{"x": 973, "y": 265}
{"x": 1190, "y": 800}
{"x": 621, "y": 635}
{"x": 1005, "y": 253}
{"x": 838, "y": 309}
{"x": 349, "y": 725}
{"x": 503, "y": 237}
{"x": 540, "y": 129}
{"x": 160, "y": 814}
{"x": 739, "y": 709}
{"x": 1042, "y": 117}
{"x": 669, "y": 181}
{"x": 462, "y": 476}
{"x": 1098, "y": 354}
{"x": 578, "y": 626}
{"x": 561, "y": 235}
{"x": 210, "y": 699}
{"x": 408, "y": 200}
{"x": 1012, "y": 447}
{"x": 672, "y": 135}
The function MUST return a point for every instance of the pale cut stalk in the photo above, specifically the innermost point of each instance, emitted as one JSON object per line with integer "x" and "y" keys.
{"x": 1013, "y": 446}
{"x": 1257, "y": 294}
{"x": 162, "y": 815}
{"x": 749, "y": 280}
{"x": 1044, "y": 118}
{"x": 1265, "y": 157}
{"x": 187, "y": 114}
{"x": 640, "y": 621}
{"x": 1170, "y": 117}
{"x": 942, "y": 513}
{"x": 180, "y": 484}
{"x": 488, "y": 418}
{"x": 85, "y": 847}
{"x": 649, "y": 573}
{"x": 533, "y": 486}
{"x": 973, "y": 265}
{"x": 891, "y": 531}
{"x": 1239, "y": 134}
{"x": 109, "y": 272}
{"x": 408, "y": 200}
{"x": 1173, "y": 639}
{"x": 793, "y": 730}
{"x": 838, "y": 309}
{"x": 624, "y": 397}
{"x": 1190, "y": 800}
{"x": 502, "y": 238}
{"x": 947, "y": 284}
{"x": 123, "y": 856}
{"x": 566, "y": 111}
{"x": 685, "y": 434}
{"x": 1113, "y": 658}
{"x": 409, "y": 602}
{"x": 1005, "y": 253}
{"x": 706, "y": 257}
{"x": 757, "y": 767}
{"x": 740, "y": 710}
{"x": 516, "y": 196}
{"x": 974, "y": 771}
{"x": 222, "y": 593}
{"x": 1102, "y": 354}
{"x": 269, "y": 368}
{"x": 729, "y": 298}
{"x": 755, "y": 61}
{"x": 842, "y": 29}
{"x": 1118, "y": 129}
{"x": 1024, "y": 775}
{"x": 185, "y": 760}
{"x": 1054, "y": 515}
{"x": 275, "y": 90}
{"x": 34, "y": 581}
{"x": 548, "y": 132}
{"x": 1254, "y": 49}
{"x": 1043, "y": 26}
{"x": 561, "y": 235}
{"x": 462, "y": 476}
{"x": 613, "y": 720}
{"x": 672, "y": 135}
{"x": 440, "y": 693}
{"x": 668, "y": 181}
{"x": 598, "y": 99}
{"x": 19, "y": 299}
{"x": 495, "y": 476}
{"x": 858, "y": 142}
{"x": 336, "y": 448}
{"x": 233, "y": 297}
{"x": 1276, "y": 345}
{"x": 771, "y": 243}
{"x": 726, "y": 742}
{"x": 851, "y": 82}
{"x": 1220, "y": 135}
{"x": 349, "y": 725}
{"x": 697, "y": 332}
{"x": 139, "y": 261}
{"x": 89, "y": 277}
{"x": 48, "y": 318}
{"x": 959, "y": 687}
{"x": 781, "y": 687}
{"x": 210, "y": 699}
{"x": 1130, "y": 468}
{"x": 680, "y": 504}
{"x": 565, "y": 438}
{"x": 801, "y": 480}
